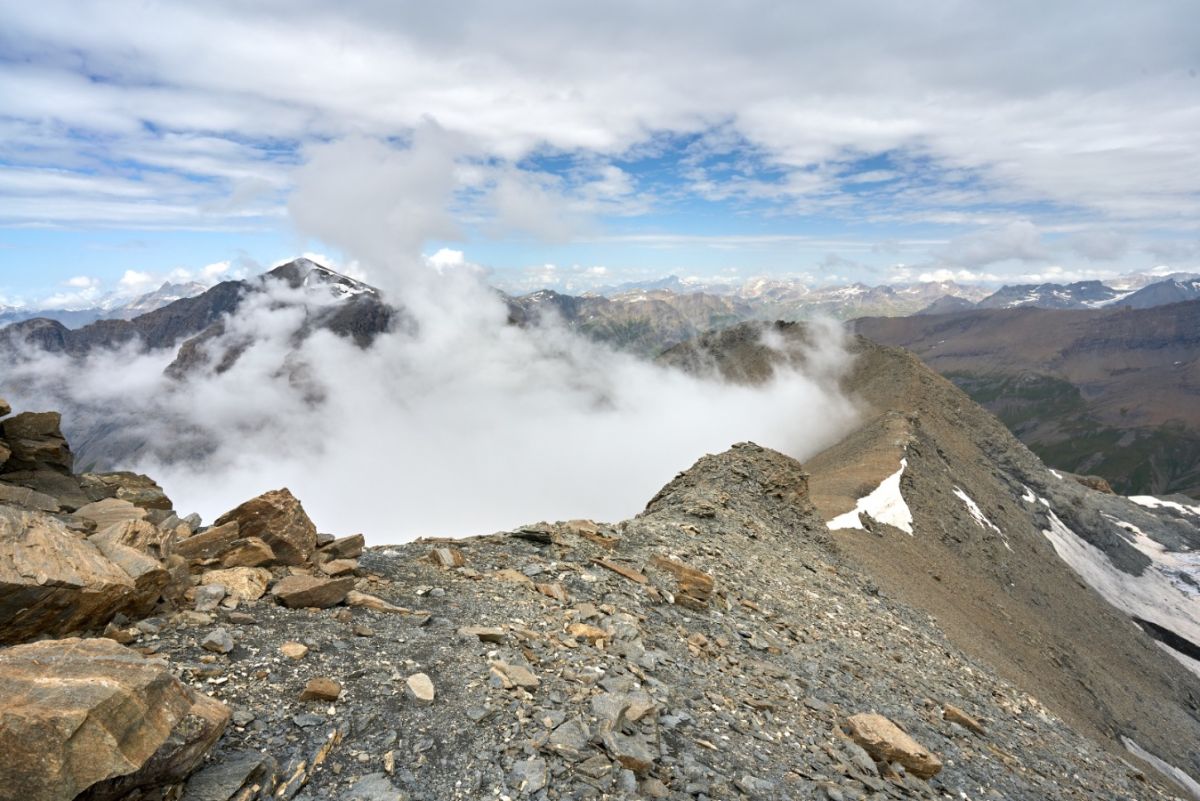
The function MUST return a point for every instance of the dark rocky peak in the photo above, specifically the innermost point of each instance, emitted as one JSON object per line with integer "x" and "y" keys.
{"x": 304, "y": 272}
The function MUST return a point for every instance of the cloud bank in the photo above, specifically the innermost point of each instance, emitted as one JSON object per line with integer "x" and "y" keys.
{"x": 453, "y": 423}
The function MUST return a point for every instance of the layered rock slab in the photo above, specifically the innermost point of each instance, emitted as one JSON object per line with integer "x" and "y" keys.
{"x": 91, "y": 715}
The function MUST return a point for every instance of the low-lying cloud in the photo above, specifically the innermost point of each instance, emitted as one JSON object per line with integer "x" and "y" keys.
{"x": 455, "y": 422}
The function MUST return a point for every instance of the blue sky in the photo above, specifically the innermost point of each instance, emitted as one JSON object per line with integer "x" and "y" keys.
{"x": 975, "y": 141}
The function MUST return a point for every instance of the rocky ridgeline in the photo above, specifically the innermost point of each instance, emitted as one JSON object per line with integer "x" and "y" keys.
{"x": 714, "y": 647}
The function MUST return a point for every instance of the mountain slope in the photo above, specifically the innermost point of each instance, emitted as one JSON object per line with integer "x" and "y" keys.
{"x": 715, "y": 646}
{"x": 1112, "y": 392}
{"x": 1002, "y": 550}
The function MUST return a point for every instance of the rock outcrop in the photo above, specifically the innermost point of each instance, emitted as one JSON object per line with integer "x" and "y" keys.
{"x": 54, "y": 582}
{"x": 91, "y": 716}
{"x": 278, "y": 519}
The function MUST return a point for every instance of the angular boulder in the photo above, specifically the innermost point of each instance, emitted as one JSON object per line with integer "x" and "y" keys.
{"x": 243, "y": 583}
{"x": 248, "y": 552}
{"x": 211, "y": 543}
{"x": 109, "y": 512}
{"x": 136, "y": 488}
{"x": 344, "y": 548}
{"x": 277, "y": 518}
{"x": 52, "y": 581}
{"x": 91, "y": 715}
{"x": 887, "y": 742}
{"x": 140, "y": 535}
{"x": 306, "y": 591}
{"x": 148, "y": 574}
{"x": 35, "y": 440}
{"x": 26, "y": 498}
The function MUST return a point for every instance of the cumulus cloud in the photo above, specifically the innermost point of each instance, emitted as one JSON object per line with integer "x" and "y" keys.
{"x": 454, "y": 422}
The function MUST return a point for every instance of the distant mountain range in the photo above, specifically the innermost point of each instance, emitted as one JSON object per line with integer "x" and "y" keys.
{"x": 109, "y": 308}
{"x": 677, "y": 314}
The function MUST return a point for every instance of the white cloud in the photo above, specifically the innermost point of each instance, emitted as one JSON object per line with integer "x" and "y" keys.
{"x": 985, "y": 95}
{"x": 1017, "y": 241}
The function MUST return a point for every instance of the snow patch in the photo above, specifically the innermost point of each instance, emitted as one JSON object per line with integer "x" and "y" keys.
{"x": 1150, "y": 596}
{"x": 1151, "y": 502}
{"x": 1165, "y": 768}
{"x": 1181, "y": 568}
{"x": 1028, "y": 496}
{"x": 979, "y": 516}
{"x": 1056, "y": 474}
{"x": 885, "y": 504}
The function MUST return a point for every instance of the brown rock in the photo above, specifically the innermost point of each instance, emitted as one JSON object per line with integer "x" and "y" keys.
{"x": 52, "y": 581}
{"x": 556, "y": 591}
{"x": 887, "y": 742}
{"x": 5, "y": 409}
{"x": 693, "y": 587}
{"x": 956, "y": 715}
{"x": 277, "y": 518}
{"x": 321, "y": 689}
{"x": 109, "y": 512}
{"x": 1097, "y": 483}
{"x": 243, "y": 583}
{"x": 304, "y": 591}
{"x": 362, "y": 599}
{"x": 248, "y": 552}
{"x": 513, "y": 576}
{"x": 138, "y": 489}
{"x": 344, "y": 548}
{"x": 209, "y": 544}
{"x": 623, "y": 570}
{"x": 339, "y": 567}
{"x": 591, "y": 532}
{"x": 141, "y": 535}
{"x": 82, "y": 714}
{"x": 585, "y": 631}
{"x": 447, "y": 556}
{"x": 148, "y": 574}
{"x": 294, "y": 650}
{"x": 35, "y": 440}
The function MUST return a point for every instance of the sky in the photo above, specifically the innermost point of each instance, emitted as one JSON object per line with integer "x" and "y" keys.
{"x": 599, "y": 143}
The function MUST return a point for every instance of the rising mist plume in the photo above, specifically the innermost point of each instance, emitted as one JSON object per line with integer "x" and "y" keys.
{"x": 455, "y": 422}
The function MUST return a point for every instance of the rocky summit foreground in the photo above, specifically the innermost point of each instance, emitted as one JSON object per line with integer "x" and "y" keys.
{"x": 716, "y": 646}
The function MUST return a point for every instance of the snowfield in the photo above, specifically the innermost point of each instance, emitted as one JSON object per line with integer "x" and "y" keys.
{"x": 885, "y": 504}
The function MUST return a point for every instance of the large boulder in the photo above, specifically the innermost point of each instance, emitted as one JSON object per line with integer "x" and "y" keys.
{"x": 306, "y": 591}
{"x": 109, "y": 512}
{"x": 278, "y": 519}
{"x": 138, "y": 489}
{"x": 91, "y": 715}
{"x": 53, "y": 581}
{"x": 63, "y": 487}
{"x": 36, "y": 440}
{"x": 140, "y": 534}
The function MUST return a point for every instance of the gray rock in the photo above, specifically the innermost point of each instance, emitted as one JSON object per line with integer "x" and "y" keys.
{"x": 207, "y": 597}
{"x": 218, "y": 641}
{"x": 528, "y": 776}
